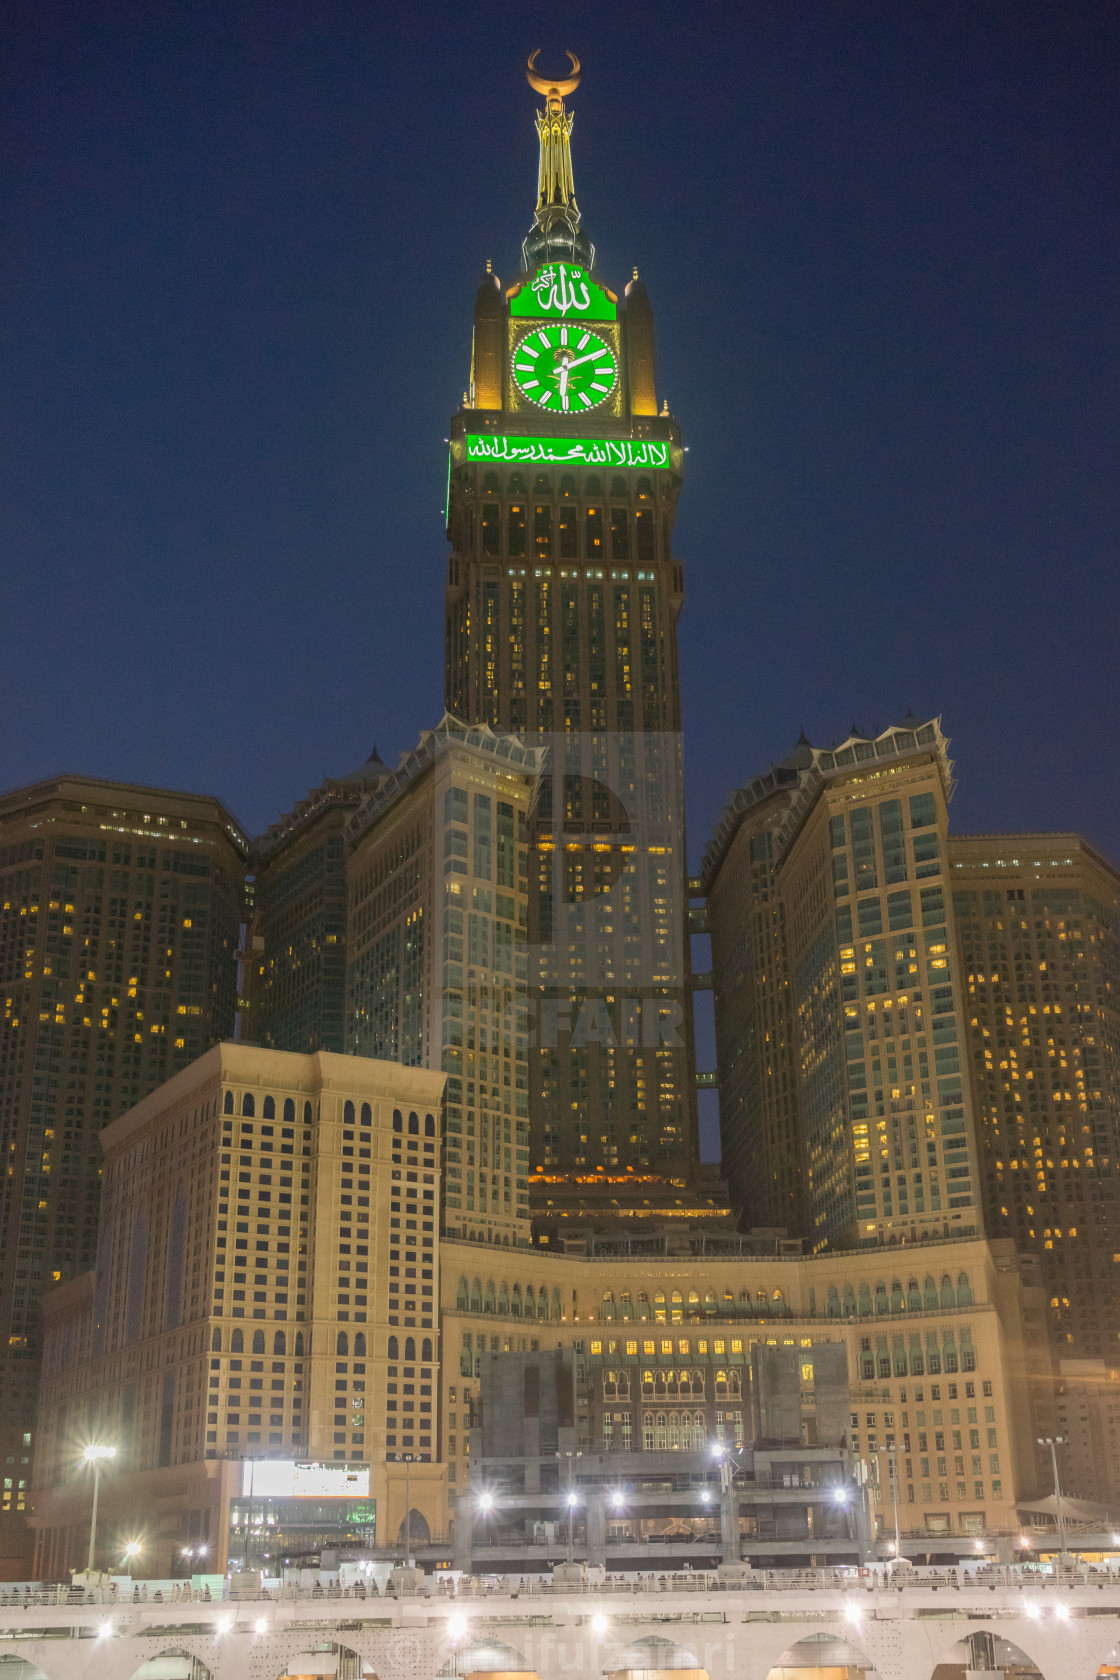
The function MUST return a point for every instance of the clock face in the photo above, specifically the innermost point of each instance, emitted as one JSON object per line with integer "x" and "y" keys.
{"x": 564, "y": 369}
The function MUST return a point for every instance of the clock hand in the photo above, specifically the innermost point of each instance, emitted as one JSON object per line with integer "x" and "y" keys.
{"x": 588, "y": 356}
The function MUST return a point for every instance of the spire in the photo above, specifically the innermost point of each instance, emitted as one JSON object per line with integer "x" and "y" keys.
{"x": 556, "y": 231}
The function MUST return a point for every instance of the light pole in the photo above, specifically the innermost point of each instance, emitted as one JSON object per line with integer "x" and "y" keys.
{"x": 131, "y": 1550}
{"x": 407, "y": 1509}
{"x": 95, "y": 1454}
{"x": 572, "y": 1502}
{"x": 892, "y": 1468}
{"x": 1054, "y": 1442}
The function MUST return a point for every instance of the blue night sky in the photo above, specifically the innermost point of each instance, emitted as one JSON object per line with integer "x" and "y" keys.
{"x": 239, "y": 245}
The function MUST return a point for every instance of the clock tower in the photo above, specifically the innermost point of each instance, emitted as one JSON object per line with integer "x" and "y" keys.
{"x": 561, "y": 627}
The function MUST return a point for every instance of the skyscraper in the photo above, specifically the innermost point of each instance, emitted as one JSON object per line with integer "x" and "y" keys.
{"x": 857, "y": 979}
{"x": 296, "y": 956}
{"x": 1036, "y": 919}
{"x": 120, "y": 913}
{"x": 437, "y": 973}
{"x": 562, "y": 604}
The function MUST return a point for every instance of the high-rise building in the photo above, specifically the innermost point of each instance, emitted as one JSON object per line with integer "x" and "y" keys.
{"x": 438, "y": 884}
{"x": 120, "y": 914}
{"x": 1036, "y": 919}
{"x": 562, "y": 603}
{"x": 759, "y": 1073}
{"x": 857, "y": 977}
{"x": 296, "y": 950}
{"x": 257, "y": 1214}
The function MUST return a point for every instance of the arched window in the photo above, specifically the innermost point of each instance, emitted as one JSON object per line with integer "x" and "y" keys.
{"x": 237, "y": 1342}
{"x": 964, "y": 1291}
{"x": 516, "y": 484}
{"x": 248, "y": 1107}
{"x": 557, "y": 1307}
{"x": 594, "y": 485}
{"x": 645, "y": 489}
{"x": 608, "y": 1307}
{"x": 462, "y": 1296}
{"x": 490, "y": 483}
{"x": 348, "y": 1113}
{"x": 426, "y": 1350}
{"x": 307, "y": 1113}
{"x": 659, "y": 1307}
{"x": 929, "y": 1293}
{"x": 898, "y": 1302}
{"x": 849, "y": 1301}
{"x": 567, "y": 485}
{"x": 299, "y": 1344}
{"x": 414, "y": 1125}
{"x": 476, "y": 1295}
{"x": 542, "y": 485}
{"x": 503, "y": 1300}
{"x": 693, "y": 1301}
{"x": 227, "y": 1103}
{"x": 410, "y": 1347}
{"x": 913, "y": 1296}
{"x": 279, "y": 1342}
{"x": 676, "y": 1306}
{"x": 429, "y": 1125}
{"x": 948, "y": 1294}
{"x": 398, "y": 1120}
{"x": 258, "y": 1341}
{"x": 515, "y": 1301}
{"x": 865, "y": 1300}
{"x": 833, "y": 1308}
{"x": 881, "y": 1302}
{"x": 268, "y": 1111}
{"x": 342, "y": 1342}
{"x": 289, "y": 1111}
{"x": 530, "y": 1301}
{"x": 618, "y": 486}
{"x": 393, "y": 1348}
{"x": 367, "y": 1115}
{"x": 490, "y": 1304}
{"x": 359, "y": 1344}
{"x": 216, "y": 1341}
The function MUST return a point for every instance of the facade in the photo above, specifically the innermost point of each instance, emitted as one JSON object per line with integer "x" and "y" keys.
{"x": 561, "y": 611}
{"x": 944, "y": 1345}
{"x": 322, "y": 1171}
{"x": 1087, "y": 1421}
{"x": 295, "y": 962}
{"x": 1037, "y": 923}
{"x": 783, "y": 1486}
{"x": 120, "y": 913}
{"x": 438, "y": 894}
{"x": 872, "y": 1006}
{"x": 366, "y": 1333}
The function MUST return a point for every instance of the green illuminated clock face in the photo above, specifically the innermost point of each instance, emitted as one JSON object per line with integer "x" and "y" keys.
{"x": 564, "y": 369}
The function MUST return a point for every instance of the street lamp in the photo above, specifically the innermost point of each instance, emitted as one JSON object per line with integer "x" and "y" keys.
{"x": 131, "y": 1550}
{"x": 95, "y": 1454}
{"x": 1054, "y": 1442}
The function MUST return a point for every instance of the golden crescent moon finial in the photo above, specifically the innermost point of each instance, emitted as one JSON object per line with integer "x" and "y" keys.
{"x": 554, "y": 89}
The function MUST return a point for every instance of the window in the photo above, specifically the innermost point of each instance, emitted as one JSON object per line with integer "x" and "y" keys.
{"x": 360, "y": 1344}
{"x": 392, "y": 1348}
{"x": 279, "y": 1342}
{"x": 410, "y": 1347}
{"x": 227, "y": 1105}
{"x": 248, "y": 1107}
{"x": 342, "y": 1342}
{"x": 258, "y": 1341}
{"x": 268, "y": 1112}
{"x": 237, "y": 1342}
